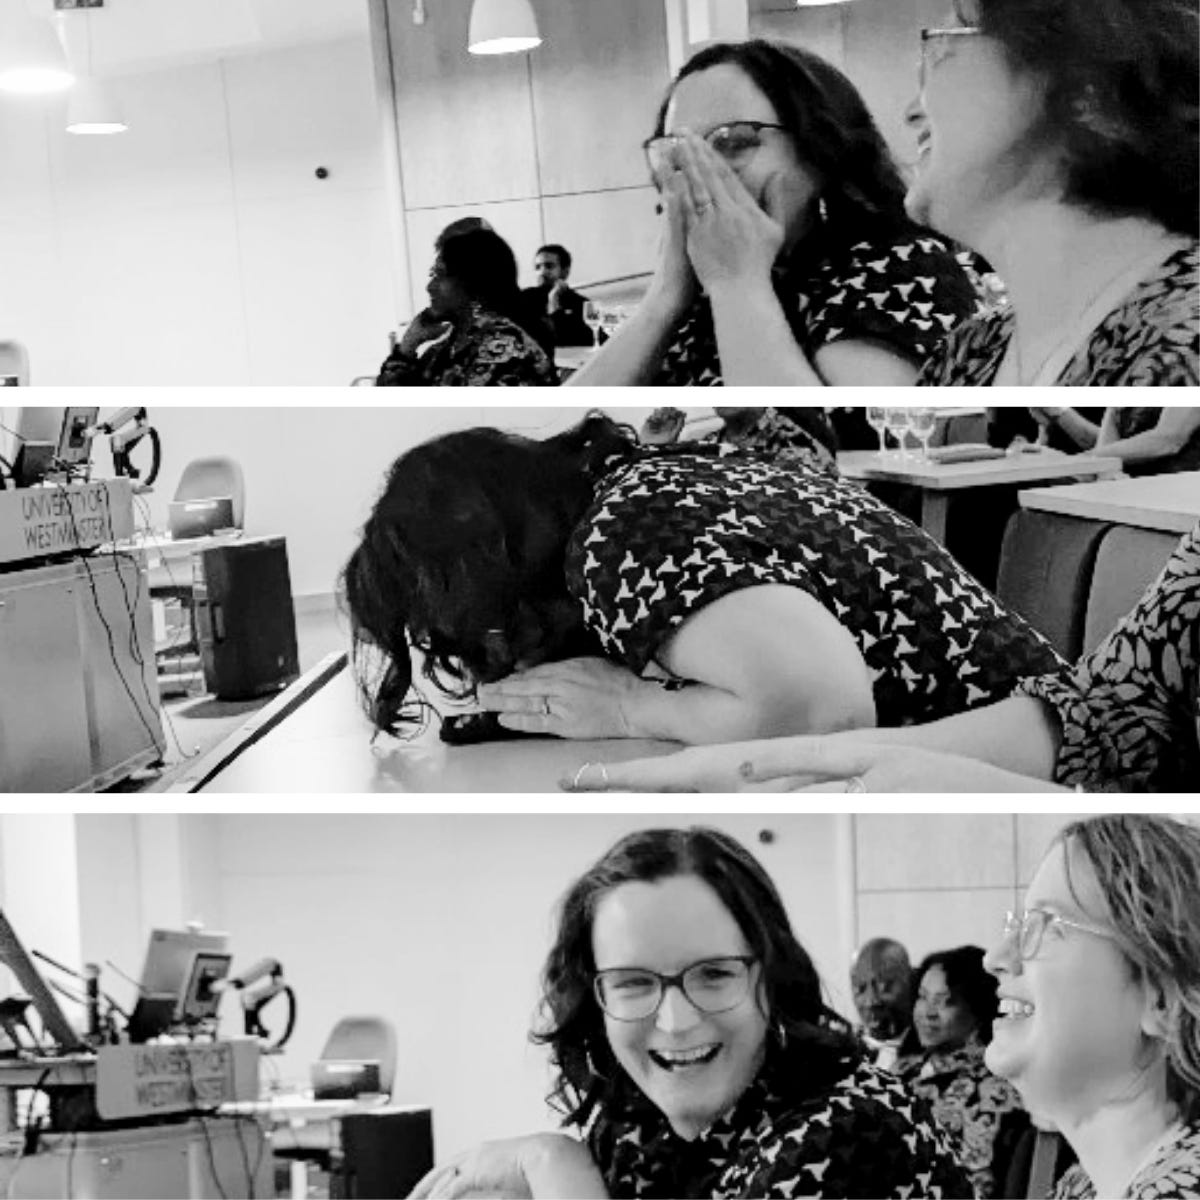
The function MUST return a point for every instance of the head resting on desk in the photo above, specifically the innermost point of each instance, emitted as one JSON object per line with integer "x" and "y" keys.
{"x": 664, "y": 900}
{"x": 461, "y": 559}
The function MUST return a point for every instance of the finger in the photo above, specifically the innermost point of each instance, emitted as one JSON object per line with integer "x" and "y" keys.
{"x": 427, "y": 1187}
{"x": 812, "y": 759}
{"x": 677, "y": 205}
{"x": 719, "y": 180}
{"x": 698, "y": 195}
{"x": 526, "y": 723}
{"x": 798, "y": 787}
{"x": 666, "y": 774}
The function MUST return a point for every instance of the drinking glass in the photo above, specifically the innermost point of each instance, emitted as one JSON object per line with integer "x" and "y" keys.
{"x": 877, "y": 419}
{"x": 610, "y": 321}
{"x": 923, "y": 422}
{"x": 896, "y": 420}
{"x": 593, "y": 318}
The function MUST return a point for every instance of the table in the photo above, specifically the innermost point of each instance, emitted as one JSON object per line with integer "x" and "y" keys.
{"x": 937, "y": 481}
{"x": 315, "y": 738}
{"x": 569, "y": 359}
{"x": 1169, "y": 503}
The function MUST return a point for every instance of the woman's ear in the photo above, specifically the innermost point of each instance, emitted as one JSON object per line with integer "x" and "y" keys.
{"x": 1155, "y": 1015}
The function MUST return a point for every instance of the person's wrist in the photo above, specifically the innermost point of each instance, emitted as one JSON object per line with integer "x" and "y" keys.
{"x": 665, "y": 302}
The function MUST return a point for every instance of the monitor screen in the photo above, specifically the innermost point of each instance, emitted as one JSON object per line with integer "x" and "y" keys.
{"x": 199, "y": 1001}
{"x": 170, "y": 959}
{"x": 74, "y": 447}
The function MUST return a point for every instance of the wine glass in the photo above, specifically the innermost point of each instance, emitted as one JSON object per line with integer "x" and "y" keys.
{"x": 593, "y": 318}
{"x": 877, "y": 419}
{"x": 896, "y": 420}
{"x": 610, "y": 321}
{"x": 923, "y": 422}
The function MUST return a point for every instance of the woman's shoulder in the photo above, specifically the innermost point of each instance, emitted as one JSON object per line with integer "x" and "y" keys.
{"x": 970, "y": 355}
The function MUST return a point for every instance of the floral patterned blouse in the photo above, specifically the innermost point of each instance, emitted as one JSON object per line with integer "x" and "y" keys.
{"x": 1130, "y": 710}
{"x": 1152, "y": 339}
{"x": 982, "y": 1114}
{"x": 905, "y": 293}
{"x": 489, "y": 351}
{"x": 1173, "y": 1173}
{"x": 865, "y": 1136}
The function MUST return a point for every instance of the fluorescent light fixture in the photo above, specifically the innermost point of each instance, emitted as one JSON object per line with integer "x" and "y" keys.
{"x": 503, "y": 27}
{"x": 91, "y": 109}
{"x": 32, "y": 59}
{"x": 819, "y": 3}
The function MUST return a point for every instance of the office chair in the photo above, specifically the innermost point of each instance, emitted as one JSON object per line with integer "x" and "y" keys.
{"x": 356, "y": 1038}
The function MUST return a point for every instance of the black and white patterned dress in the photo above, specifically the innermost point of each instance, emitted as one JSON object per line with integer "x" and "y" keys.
{"x": 672, "y": 532}
{"x": 1172, "y": 1174}
{"x": 1151, "y": 339}
{"x": 904, "y": 293}
{"x": 1130, "y": 710}
{"x": 865, "y": 1136}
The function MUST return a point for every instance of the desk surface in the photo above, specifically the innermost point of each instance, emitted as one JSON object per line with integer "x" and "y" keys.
{"x": 301, "y": 1107}
{"x": 1028, "y": 467}
{"x": 324, "y": 745}
{"x": 1166, "y": 502}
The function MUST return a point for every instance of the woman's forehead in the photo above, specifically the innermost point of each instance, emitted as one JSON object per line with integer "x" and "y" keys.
{"x": 716, "y": 96}
{"x": 1066, "y": 883}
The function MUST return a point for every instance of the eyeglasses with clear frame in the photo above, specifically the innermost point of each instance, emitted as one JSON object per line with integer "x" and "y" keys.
{"x": 734, "y": 141}
{"x": 711, "y": 986}
{"x": 936, "y": 43}
{"x": 1029, "y": 928}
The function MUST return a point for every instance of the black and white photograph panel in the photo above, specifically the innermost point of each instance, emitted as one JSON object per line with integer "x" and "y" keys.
{"x": 625, "y": 1005}
{"x": 489, "y": 599}
{"x": 524, "y": 193}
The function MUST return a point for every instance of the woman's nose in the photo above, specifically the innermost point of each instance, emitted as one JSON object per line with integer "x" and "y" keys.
{"x": 1002, "y": 958}
{"x": 676, "y": 1012}
{"x": 914, "y": 114}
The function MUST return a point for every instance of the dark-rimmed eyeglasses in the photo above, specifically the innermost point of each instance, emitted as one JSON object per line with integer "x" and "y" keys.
{"x": 1029, "y": 928}
{"x": 713, "y": 985}
{"x": 734, "y": 141}
{"x": 936, "y": 43}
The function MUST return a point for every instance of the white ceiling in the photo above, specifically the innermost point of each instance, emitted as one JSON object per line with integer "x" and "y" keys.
{"x": 144, "y": 35}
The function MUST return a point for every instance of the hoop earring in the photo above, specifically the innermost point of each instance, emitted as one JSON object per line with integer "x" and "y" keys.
{"x": 822, "y": 210}
{"x": 781, "y": 1035}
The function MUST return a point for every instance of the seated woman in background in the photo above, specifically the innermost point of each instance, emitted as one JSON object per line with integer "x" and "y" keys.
{"x": 782, "y": 435}
{"x": 1070, "y": 430}
{"x": 1127, "y": 718}
{"x": 475, "y": 318}
{"x": 693, "y": 1051}
{"x": 1059, "y": 139}
{"x": 1152, "y": 441}
{"x": 786, "y": 257}
{"x": 1099, "y": 984}
{"x": 955, "y": 1007}
{"x": 730, "y": 597}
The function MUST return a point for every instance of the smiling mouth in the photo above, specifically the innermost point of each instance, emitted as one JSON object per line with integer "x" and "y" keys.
{"x": 682, "y": 1060}
{"x": 1015, "y": 1010}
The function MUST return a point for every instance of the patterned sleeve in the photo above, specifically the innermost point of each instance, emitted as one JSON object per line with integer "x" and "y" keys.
{"x": 1130, "y": 710}
{"x": 508, "y": 358}
{"x": 400, "y": 370}
{"x": 906, "y": 295}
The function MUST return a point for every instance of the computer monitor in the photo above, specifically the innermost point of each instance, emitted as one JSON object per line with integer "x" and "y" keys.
{"x": 200, "y": 1001}
{"x": 55, "y": 1023}
{"x": 171, "y": 959}
{"x": 74, "y": 448}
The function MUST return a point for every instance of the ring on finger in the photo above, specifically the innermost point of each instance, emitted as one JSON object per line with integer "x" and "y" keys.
{"x": 855, "y": 786}
{"x": 545, "y": 707}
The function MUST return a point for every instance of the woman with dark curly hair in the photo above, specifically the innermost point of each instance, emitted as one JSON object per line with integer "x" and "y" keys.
{"x": 1059, "y": 139}
{"x": 483, "y": 336}
{"x": 585, "y": 587}
{"x": 953, "y": 1014}
{"x": 1099, "y": 985}
{"x": 694, "y": 1053}
{"x": 786, "y": 256}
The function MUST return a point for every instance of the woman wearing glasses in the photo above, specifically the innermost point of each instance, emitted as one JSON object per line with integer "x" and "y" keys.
{"x": 1125, "y": 718}
{"x": 1059, "y": 139}
{"x": 953, "y": 1015}
{"x": 1099, "y": 984}
{"x": 786, "y": 256}
{"x": 694, "y": 1054}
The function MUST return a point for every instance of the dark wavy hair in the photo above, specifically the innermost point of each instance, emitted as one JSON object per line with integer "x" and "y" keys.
{"x": 1148, "y": 871}
{"x": 968, "y": 982}
{"x": 808, "y": 1044}
{"x": 1121, "y": 95}
{"x": 830, "y": 127}
{"x": 483, "y": 264}
{"x": 462, "y": 556}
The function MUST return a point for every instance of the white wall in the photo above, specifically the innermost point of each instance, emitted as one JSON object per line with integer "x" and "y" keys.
{"x": 199, "y": 248}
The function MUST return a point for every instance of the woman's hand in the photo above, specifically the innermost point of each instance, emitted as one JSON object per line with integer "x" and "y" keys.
{"x": 674, "y": 282}
{"x": 543, "y": 1164}
{"x": 814, "y": 764}
{"x": 424, "y": 327}
{"x": 730, "y": 238}
{"x": 662, "y": 427}
{"x": 578, "y": 698}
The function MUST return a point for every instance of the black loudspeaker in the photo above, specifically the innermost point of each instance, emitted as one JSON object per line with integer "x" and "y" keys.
{"x": 383, "y": 1155}
{"x": 245, "y": 621}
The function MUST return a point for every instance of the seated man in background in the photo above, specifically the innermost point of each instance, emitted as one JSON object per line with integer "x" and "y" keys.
{"x": 553, "y": 301}
{"x": 881, "y": 985}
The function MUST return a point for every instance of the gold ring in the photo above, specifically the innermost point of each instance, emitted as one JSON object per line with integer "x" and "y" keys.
{"x": 546, "y": 706}
{"x": 579, "y": 776}
{"x": 855, "y": 786}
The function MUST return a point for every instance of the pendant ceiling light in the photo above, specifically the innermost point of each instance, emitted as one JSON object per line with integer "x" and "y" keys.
{"x": 92, "y": 109}
{"x": 502, "y": 27}
{"x": 32, "y": 58}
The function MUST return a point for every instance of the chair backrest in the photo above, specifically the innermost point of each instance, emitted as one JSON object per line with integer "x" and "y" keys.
{"x": 1128, "y": 562}
{"x": 204, "y": 478}
{"x": 365, "y": 1038}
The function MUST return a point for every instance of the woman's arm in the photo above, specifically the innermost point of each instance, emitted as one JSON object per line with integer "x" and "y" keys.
{"x": 1077, "y": 427}
{"x": 761, "y": 662}
{"x": 1175, "y": 428}
{"x": 542, "y": 1165}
